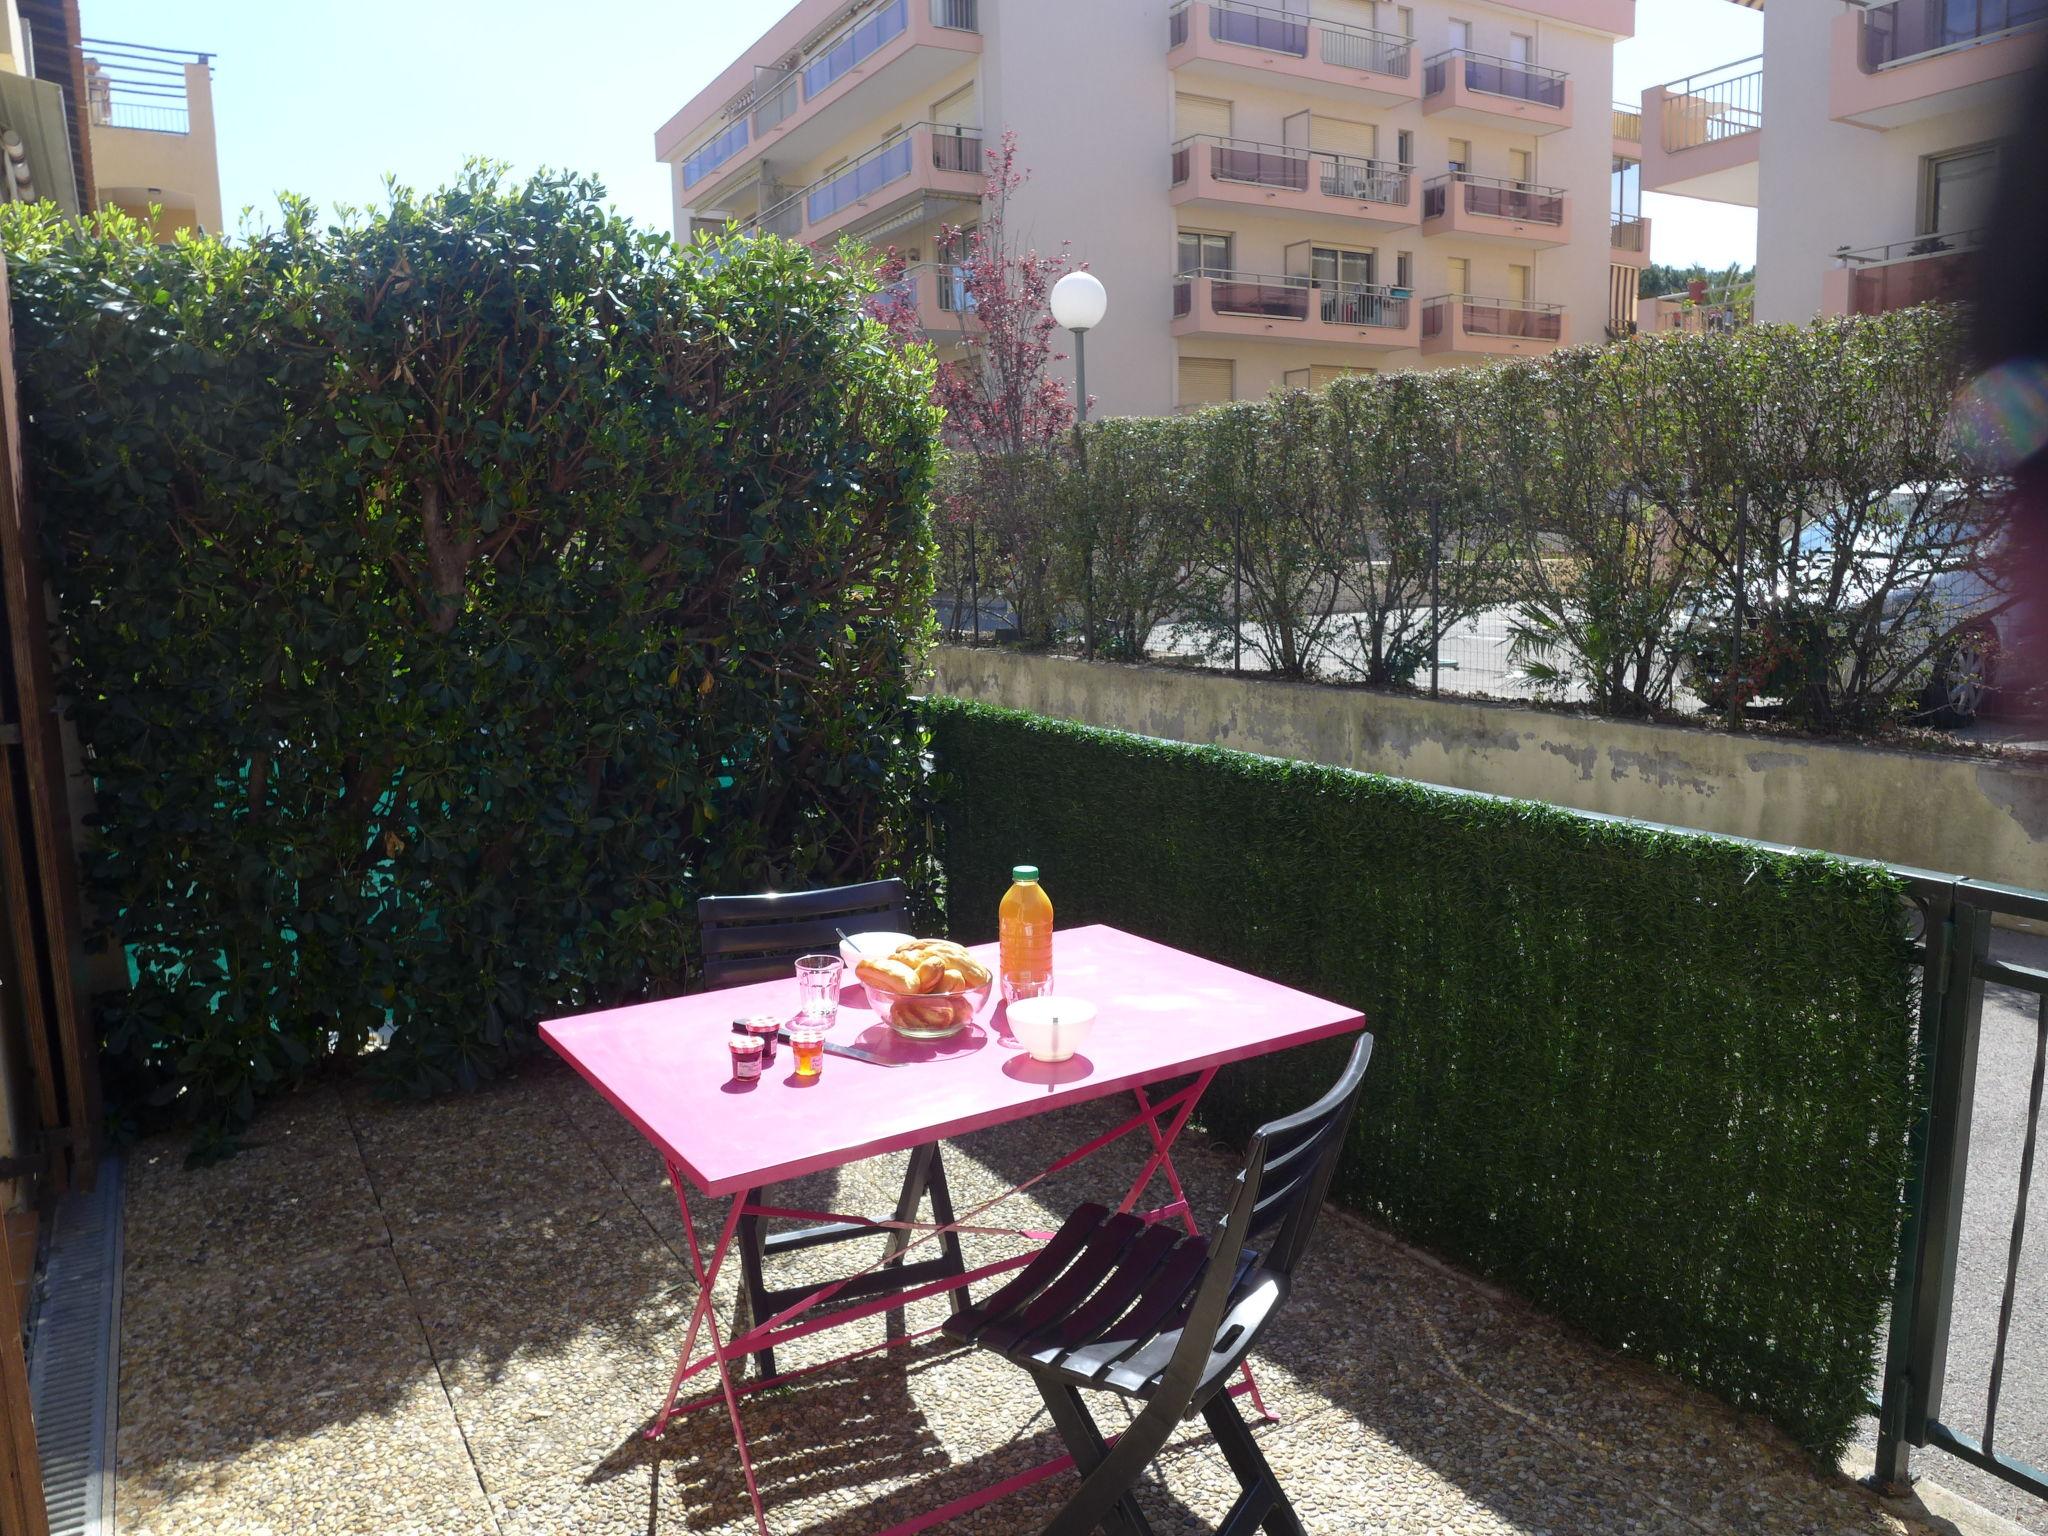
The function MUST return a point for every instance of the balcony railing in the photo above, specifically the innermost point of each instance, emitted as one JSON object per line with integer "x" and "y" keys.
{"x": 1624, "y": 233}
{"x": 1493, "y": 317}
{"x": 714, "y": 152}
{"x": 1924, "y": 270}
{"x": 1628, "y": 123}
{"x": 777, "y": 95}
{"x": 1715, "y": 105}
{"x": 958, "y": 15}
{"x": 1268, "y": 297}
{"x": 866, "y": 36}
{"x": 953, "y": 148}
{"x": 1290, "y": 168}
{"x": 1273, "y": 31}
{"x": 949, "y": 280}
{"x": 1911, "y": 29}
{"x": 1496, "y": 199}
{"x": 132, "y": 85}
{"x": 1492, "y": 76}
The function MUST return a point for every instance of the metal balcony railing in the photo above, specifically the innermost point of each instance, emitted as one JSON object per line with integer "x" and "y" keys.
{"x": 952, "y": 148}
{"x": 1714, "y": 105}
{"x": 1493, "y": 317}
{"x": 1926, "y": 269}
{"x": 1293, "y": 169}
{"x": 1628, "y": 122}
{"x": 1493, "y": 76}
{"x": 865, "y": 36}
{"x": 958, "y": 15}
{"x": 1272, "y": 297}
{"x": 1624, "y": 233}
{"x": 949, "y": 282}
{"x": 1912, "y": 29}
{"x": 132, "y": 85}
{"x": 714, "y": 152}
{"x": 1496, "y": 199}
{"x": 1275, "y": 31}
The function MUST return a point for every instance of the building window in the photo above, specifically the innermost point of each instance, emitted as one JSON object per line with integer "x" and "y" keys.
{"x": 1521, "y": 48}
{"x": 1458, "y": 275}
{"x": 1206, "y": 381}
{"x": 1625, "y": 189}
{"x": 1320, "y": 376}
{"x": 1956, "y": 189}
{"x": 1521, "y": 166}
{"x": 1404, "y": 146}
{"x": 1461, "y": 33}
{"x": 1518, "y": 284}
{"x": 1459, "y": 155}
{"x": 1202, "y": 253}
{"x": 1404, "y": 269}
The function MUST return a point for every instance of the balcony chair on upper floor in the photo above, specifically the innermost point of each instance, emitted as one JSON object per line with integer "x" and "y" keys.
{"x": 1112, "y": 1304}
{"x": 758, "y": 938}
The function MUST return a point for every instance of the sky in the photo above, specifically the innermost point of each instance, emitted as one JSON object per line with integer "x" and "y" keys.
{"x": 325, "y": 97}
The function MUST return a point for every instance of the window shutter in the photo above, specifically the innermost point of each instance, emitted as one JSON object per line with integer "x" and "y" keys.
{"x": 1206, "y": 381}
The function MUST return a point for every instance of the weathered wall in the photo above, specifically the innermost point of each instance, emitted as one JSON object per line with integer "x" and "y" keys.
{"x": 1961, "y": 815}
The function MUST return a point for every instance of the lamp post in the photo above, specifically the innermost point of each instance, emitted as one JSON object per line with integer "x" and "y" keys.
{"x": 1079, "y": 302}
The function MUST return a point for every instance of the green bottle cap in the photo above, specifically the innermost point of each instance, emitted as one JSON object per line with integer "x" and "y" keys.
{"x": 1024, "y": 872}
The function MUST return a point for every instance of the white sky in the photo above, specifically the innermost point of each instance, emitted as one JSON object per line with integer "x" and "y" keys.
{"x": 324, "y": 96}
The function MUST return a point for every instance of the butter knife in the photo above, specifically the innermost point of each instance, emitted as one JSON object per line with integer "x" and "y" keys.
{"x": 850, "y": 1052}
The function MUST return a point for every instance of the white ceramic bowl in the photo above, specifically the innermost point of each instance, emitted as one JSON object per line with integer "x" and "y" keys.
{"x": 875, "y": 945}
{"x": 1051, "y": 1028}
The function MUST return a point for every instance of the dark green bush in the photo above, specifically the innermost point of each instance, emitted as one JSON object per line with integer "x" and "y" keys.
{"x": 448, "y": 598}
{"x": 1657, "y": 1082}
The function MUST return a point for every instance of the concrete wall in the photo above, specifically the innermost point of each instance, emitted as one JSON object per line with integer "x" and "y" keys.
{"x": 1959, "y": 815}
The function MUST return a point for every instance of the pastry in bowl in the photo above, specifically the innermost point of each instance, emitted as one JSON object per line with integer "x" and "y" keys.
{"x": 926, "y": 989}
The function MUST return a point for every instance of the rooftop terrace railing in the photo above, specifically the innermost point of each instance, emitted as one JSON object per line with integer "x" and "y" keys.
{"x": 1291, "y": 168}
{"x": 1493, "y": 76}
{"x": 134, "y": 85}
{"x": 1714, "y": 105}
{"x": 1291, "y": 32}
{"x": 1911, "y": 29}
{"x": 1495, "y": 198}
{"x": 1624, "y": 233}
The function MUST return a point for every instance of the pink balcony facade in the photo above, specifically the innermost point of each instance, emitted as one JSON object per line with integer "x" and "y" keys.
{"x": 1273, "y": 308}
{"x": 1214, "y": 172}
{"x": 1913, "y": 59}
{"x": 1475, "y": 327}
{"x": 1464, "y": 86}
{"x": 929, "y": 164}
{"x": 1317, "y": 57}
{"x": 1486, "y": 208}
{"x": 1703, "y": 136}
{"x": 893, "y": 50}
{"x": 1628, "y": 242}
{"x": 1933, "y": 269}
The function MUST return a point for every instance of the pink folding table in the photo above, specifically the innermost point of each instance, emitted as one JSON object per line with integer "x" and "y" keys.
{"x": 1162, "y": 1014}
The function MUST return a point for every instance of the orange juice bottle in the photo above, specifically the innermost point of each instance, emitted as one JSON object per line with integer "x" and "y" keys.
{"x": 1026, "y": 926}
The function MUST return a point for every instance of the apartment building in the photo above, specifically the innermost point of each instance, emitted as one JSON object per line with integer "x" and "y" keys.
{"x": 150, "y": 112}
{"x": 1272, "y": 194}
{"x": 1866, "y": 136}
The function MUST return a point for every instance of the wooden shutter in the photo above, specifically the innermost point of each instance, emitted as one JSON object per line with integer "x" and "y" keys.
{"x": 1337, "y": 136}
{"x": 1206, "y": 381}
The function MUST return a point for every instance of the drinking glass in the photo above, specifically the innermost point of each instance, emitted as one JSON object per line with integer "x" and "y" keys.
{"x": 817, "y": 987}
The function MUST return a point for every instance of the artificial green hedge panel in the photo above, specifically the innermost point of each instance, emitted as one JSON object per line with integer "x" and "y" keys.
{"x": 1657, "y": 1083}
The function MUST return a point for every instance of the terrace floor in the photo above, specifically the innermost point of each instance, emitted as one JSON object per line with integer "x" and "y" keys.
{"x": 458, "y": 1316}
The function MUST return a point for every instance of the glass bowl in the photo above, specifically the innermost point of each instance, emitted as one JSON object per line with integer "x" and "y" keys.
{"x": 927, "y": 1015}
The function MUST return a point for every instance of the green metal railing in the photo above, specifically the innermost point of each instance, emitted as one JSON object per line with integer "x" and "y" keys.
{"x": 1955, "y": 954}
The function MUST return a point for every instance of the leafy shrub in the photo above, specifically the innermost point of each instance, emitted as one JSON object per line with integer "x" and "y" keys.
{"x": 1660, "y": 1083}
{"x": 1625, "y": 502}
{"x": 449, "y": 597}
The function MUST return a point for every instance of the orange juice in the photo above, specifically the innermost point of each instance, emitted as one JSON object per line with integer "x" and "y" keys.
{"x": 1026, "y": 927}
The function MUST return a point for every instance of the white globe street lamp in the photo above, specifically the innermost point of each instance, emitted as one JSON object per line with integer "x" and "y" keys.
{"x": 1079, "y": 301}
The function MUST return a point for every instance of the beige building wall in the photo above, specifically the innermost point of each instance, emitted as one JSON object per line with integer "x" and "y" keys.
{"x": 1096, "y": 125}
{"x": 178, "y": 171}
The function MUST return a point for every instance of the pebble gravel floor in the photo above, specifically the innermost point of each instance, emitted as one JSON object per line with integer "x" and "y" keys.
{"x": 457, "y": 1317}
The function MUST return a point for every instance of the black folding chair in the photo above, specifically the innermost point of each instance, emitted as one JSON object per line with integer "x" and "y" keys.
{"x": 758, "y": 938}
{"x": 1145, "y": 1311}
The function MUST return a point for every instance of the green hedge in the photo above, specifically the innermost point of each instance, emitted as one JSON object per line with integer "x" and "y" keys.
{"x": 1658, "y": 1083}
{"x": 450, "y": 596}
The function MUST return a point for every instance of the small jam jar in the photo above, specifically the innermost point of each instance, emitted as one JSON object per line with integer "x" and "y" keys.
{"x": 763, "y": 1027}
{"x": 746, "y": 1054}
